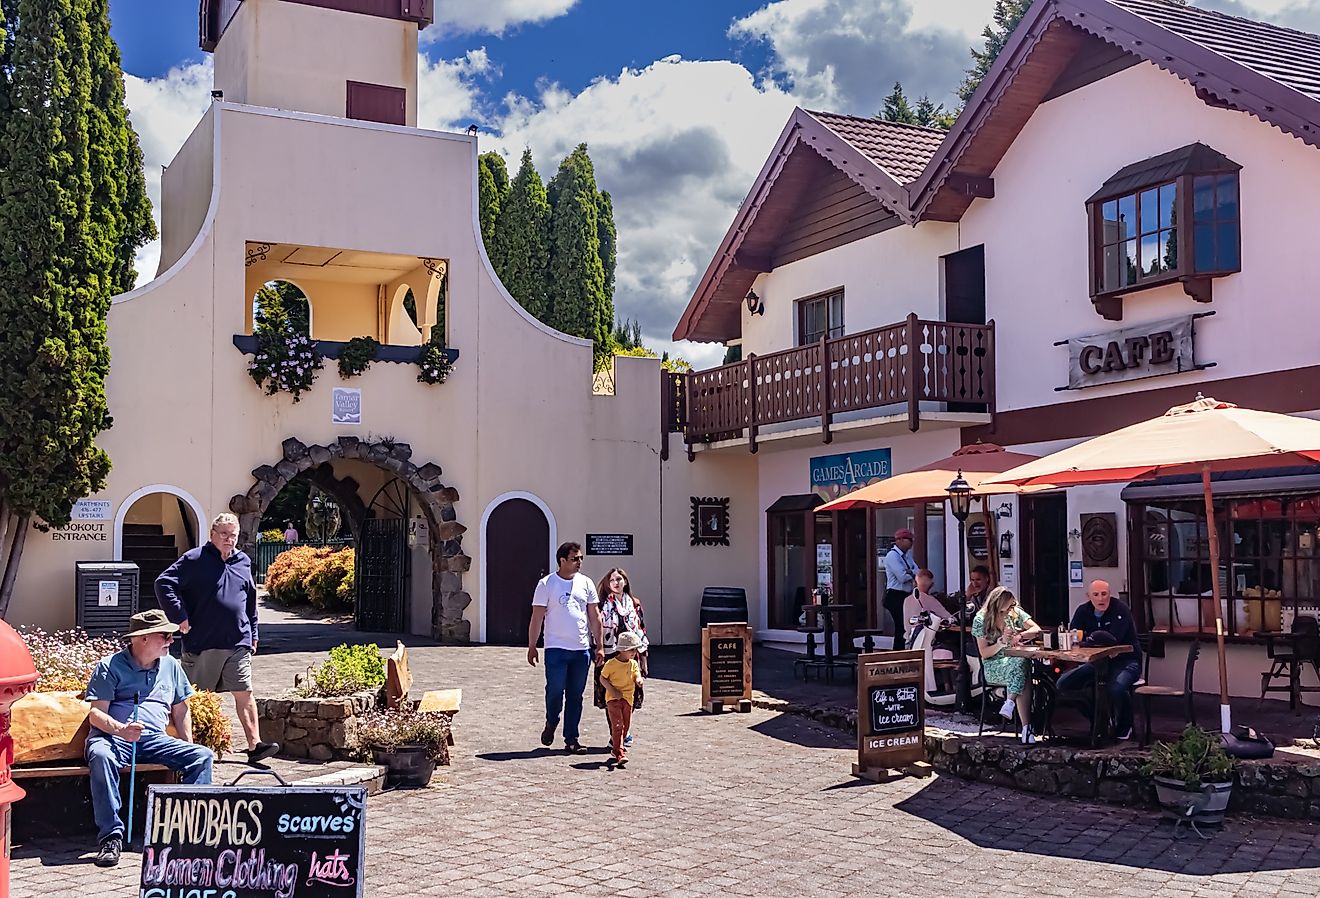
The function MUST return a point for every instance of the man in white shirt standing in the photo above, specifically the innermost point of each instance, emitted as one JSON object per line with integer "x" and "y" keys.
{"x": 567, "y": 604}
{"x": 900, "y": 574}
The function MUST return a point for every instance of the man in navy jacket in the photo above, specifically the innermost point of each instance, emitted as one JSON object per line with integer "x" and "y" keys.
{"x": 1102, "y": 611}
{"x": 209, "y": 593}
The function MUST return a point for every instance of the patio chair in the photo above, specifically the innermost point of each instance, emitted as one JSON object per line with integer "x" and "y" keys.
{"x": 1145, "y": 691}
{"x": 1303, "y": 649}
{"x": 1000, "y": 695}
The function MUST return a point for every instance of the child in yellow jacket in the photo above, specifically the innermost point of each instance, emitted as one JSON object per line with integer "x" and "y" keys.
{"x": 621, "y": 676}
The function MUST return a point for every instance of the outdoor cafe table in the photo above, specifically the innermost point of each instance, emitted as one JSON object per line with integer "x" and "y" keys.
{"x": 826, "y": 611}
{"x": 1078, "y": 655}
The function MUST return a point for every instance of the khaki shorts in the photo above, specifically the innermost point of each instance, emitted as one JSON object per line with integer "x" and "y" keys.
{"x": 220, "y": 670}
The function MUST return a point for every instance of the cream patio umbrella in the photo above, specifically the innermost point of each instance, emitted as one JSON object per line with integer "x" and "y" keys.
{"x": 930, "y": 483}
{"x": 1204, "y": 436}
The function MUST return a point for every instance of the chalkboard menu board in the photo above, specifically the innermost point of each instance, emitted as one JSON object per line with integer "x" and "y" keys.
{"x": 892, "y": 718}
{"x": 726, "y": 666}
{"x": 894, "y": 709}
{"x": 256, "y": 842}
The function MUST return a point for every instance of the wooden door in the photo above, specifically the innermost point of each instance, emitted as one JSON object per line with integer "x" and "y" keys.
{"x": 1045, "y": 558}
{"x": 517, "y": 555}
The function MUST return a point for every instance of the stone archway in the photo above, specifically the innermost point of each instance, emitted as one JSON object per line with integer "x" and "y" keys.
{"x": 448, "y": 563}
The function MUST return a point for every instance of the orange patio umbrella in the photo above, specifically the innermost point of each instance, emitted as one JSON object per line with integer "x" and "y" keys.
{"x": 1201, "y": 437}
{"x": 930, "y": 483}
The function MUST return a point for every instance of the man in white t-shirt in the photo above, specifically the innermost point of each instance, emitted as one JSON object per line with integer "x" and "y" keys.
{"x": 566, "y": 603}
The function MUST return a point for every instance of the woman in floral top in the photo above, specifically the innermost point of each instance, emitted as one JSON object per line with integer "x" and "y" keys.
{"x": 1002, "y": 623}
{"x": 619, "y": 612}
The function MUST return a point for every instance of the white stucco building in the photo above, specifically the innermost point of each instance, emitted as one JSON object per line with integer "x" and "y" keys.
{"x": 308, "y": 168}
{"x": 922, "y": 287}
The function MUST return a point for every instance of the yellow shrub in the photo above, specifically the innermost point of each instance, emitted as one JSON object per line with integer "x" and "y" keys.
{"x": 210, "y": 725}
{"x": 319, "y": 575}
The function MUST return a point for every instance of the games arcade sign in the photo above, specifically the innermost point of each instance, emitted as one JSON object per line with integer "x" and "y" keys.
{"x": 1160, "y": 347}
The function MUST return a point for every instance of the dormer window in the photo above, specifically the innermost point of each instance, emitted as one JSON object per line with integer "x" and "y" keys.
{"x": 1139, "y": 233}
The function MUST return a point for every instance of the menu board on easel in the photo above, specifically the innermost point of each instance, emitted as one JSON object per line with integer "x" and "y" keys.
{"x": 891, "y": 713}
{"x": 726, "y": 667}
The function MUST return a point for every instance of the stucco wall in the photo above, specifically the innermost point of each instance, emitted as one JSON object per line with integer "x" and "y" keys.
{"x": 885, "y": 277}
{"x": 298, "y": 57}
{"x": 1035, "y": 235}
{"x": 185, "y": 192}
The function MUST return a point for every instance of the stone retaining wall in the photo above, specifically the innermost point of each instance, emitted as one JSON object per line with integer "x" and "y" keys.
{"x": 315, "y": 728}
{"x": 1274, "y": 788}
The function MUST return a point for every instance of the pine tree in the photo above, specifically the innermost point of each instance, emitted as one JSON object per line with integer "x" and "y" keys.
{"x": 897, "y": 108}
{"x": 1006, "y": 17}
{"x": 933, "y": 115}
{"x": 521, "y": 252}
{"x": 73, "y": 213}
{"x": 492, "y": 187}
{"x": 577, "y": 277}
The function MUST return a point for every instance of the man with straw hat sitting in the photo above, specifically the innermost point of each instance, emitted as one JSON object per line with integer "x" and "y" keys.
{"x": 135, "y": 693}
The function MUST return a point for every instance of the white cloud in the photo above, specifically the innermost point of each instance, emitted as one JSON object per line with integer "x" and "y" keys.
{"x": 448, "y": 92}
{"x": 491, "y": 16}
{"x": 845, "y": 56}
{"x": 1300, "y": 14}
{"x": 164, "y": 112}
{"x": 677, "y": 144}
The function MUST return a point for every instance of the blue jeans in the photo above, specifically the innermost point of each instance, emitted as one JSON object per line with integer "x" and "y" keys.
{"x": 565, "y": 678}
{"x": 107, "y": 754}
{"x": 1121, "y": 677}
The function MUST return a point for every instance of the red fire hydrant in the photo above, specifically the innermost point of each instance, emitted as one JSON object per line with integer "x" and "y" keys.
{"x": 17, "y": 676}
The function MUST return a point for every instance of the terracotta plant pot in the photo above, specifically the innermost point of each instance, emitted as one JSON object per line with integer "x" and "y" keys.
{"x": 407, "y": 765}
{"x": 1211, "y": 799}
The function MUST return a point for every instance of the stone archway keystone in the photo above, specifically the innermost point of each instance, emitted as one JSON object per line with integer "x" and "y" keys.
{"x": 448, "y": 563}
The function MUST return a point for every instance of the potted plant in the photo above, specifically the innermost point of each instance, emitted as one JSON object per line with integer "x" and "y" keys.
{"x": 408, "y": 743}
{"x": 1193, "y": 776}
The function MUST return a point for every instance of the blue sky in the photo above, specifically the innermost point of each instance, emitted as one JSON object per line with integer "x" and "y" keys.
{"x": 679, "y": 101}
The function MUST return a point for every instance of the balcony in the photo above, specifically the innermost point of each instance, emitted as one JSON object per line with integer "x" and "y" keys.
{"x": 895, "y": 370}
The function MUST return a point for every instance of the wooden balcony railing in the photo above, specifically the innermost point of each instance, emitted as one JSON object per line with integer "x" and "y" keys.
{"x": 908, "y": 363}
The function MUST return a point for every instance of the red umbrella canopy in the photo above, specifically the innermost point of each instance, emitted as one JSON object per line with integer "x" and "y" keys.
{"x": 1184, "y": 440}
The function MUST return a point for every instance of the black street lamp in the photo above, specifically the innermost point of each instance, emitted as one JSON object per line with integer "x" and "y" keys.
{"x": 960, "y": 503}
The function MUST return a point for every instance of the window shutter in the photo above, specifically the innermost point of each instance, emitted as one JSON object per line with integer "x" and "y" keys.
{"x": 376, "y": 103}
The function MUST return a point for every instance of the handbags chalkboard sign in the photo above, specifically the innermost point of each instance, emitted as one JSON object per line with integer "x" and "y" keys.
{"x": 245, "y": 842}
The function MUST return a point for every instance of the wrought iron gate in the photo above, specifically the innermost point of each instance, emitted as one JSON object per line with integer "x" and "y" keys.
{"x": 381, "y": 572}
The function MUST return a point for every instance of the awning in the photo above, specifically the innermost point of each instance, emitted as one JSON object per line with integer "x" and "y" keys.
{"x": 1263, "y": 481}
{"x": 801, "y": 502}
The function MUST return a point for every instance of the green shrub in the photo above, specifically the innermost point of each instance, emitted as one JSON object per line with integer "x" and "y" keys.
{"x": 348, "y": 669}
{"x": 357, "y": 355}
{"x": 1197, "y": 757}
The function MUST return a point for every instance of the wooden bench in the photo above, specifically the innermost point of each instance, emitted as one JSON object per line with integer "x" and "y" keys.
{"x": 444, "y": 701}
{"x": 74, "y": 770}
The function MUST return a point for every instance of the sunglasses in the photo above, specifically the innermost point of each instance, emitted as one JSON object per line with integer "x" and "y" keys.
{"x": 576, "y": 557}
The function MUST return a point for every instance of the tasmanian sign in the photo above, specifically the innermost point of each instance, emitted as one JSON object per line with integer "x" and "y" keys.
{"x": 891, "y": 717}
{"x": 1143, "y": 350}
{"x": 256, "y": 842}
{"x": 834, "y": 475}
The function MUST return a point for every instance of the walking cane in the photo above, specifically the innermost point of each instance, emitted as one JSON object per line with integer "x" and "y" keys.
{"x": 132, "y": 771}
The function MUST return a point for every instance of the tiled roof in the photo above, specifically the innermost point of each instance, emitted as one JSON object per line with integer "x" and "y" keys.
{"x": 1290, "y": 57}
{"x": 901, "y": 150}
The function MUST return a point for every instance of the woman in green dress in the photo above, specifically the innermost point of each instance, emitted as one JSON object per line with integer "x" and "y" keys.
{"x": 999, "y": 624}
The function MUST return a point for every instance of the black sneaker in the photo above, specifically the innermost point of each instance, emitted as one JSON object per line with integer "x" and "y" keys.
{"x": 548, "y": 734}
{"x": 108, "y": 856}
{"x": 574, "y": 748}
{"x": 263, "y": 751}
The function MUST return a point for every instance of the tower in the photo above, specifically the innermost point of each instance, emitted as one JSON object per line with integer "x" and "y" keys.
{"x": 348, "y": 58}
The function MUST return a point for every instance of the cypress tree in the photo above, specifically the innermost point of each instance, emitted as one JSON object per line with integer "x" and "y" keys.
{"x": 521, "y": 252}
{"x": 492, "y": 186}
{"x": 608, "y": 254}
{"x": 73, "y": 212}
{"x": 577, "y": 277}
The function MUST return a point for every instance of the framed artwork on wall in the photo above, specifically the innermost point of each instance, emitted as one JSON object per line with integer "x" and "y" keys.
{"x": 710, "y": 521}
{"x": 1100, "y": 539}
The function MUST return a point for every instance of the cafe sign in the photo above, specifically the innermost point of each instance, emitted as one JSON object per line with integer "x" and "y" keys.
{"x": 1143, "y": 350}
{"x": 834, "y": 475}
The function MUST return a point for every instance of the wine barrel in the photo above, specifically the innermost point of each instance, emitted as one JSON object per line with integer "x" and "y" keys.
{"x": 723, "y": 605}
